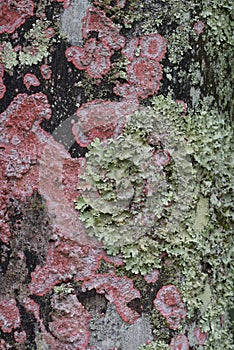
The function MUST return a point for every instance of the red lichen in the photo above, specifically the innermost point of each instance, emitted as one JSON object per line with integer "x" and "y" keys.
{"x": 46, "y": 71}
{"x": 22, "y": 142}
{"x": 32, "y": 307}
{"x": 20, "y": 337}
{"x": 170, "y": 305}
{"x": 2, "y": 86}
{"x": 66, "y": 3}
{"x": 161, "y": 157}
{"x": 180, "y": 342}
{"x": 152, "y": 277}
{"x": 118, "y": 290}
{"x": 93, "y": 57}
{"x": 21, "y": 145}
{"x": 200, "y": 336}
{"x": 102, "y": 119}
{"x": 31, "y": 80}
{"x": 127, "y": 91}
{"x": 70, "y": 322}
{"x": 9, "y": 315}
{"x": 153, "y": 46}
{"x": 65, "y": 260}
{"x": 198, "y": 27}
{"x": 56, "y": 192}
{"x": 14, "y": 13}
{"x": 129, "y": 50}
{"x": 97, "y": 21}
{"x": 49, "y": 32}
{"x": 120, "y": 3}
{"x": 70, "y": 171}
{"x": 145, "y": 74}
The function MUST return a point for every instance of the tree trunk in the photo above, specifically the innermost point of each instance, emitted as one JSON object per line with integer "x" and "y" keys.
{"x": 116, "y": 176}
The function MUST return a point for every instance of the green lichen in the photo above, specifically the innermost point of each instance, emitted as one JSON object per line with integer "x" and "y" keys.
{"x": 218, "y": 51}
{"x": 127, "y": 200}
{"x": 64, "y": 288}
{"x": 195, "y": 232}
{"x": 155, "y": 345}
{"x": 8, "y": 57}
{"x": 38, "y": 47}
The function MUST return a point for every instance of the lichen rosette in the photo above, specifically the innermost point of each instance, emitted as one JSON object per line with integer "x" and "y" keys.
{"x": 138, "y": 185}
{"x": 121, "y": 191}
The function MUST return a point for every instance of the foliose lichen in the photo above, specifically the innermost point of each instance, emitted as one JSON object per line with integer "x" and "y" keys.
{"x": 131, "y": 198}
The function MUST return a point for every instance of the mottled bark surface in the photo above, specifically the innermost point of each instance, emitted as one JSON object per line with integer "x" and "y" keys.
{"x": 116, "y": 174}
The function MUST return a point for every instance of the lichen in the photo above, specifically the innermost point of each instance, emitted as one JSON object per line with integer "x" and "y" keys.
{"x": 38, "y": 46}
{"x": 7, "y": 55}
{"x": 155, "y": 345}
{"x": 124, "y": 190}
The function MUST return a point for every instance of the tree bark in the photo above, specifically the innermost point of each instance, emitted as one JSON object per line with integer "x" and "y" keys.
{"x": 116, "y": 174}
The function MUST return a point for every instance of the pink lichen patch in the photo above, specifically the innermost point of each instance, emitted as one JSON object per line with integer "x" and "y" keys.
{"x": 21, "y": 141}
{"x": 22, "y": 145}
{"x": 24, "y": 112}
{"x": 31, "y": 80}
{"x": 20, "y": 337}
{"x": 152, "y": 277}
{"x": 49, "y": 32}
{"x": 180, "y": 342}
{"x": 14, "y": 13}
{"x": 70, "y": 322}
{"x": 153, "y": 46}
{"x": 71, "y": 170}
{"x": 115, "y": 260}
{"x": 101, "y": 119}
{"x": 100, "y": 63}
{"x": 66, "y": 3}
{"x": 200, "y": 336}
{"x": 46, "y": 71}
{"x": 198, "y": 27}
{"x": 127, "y": 91}
{"x": 118, "y": 290}
{"x": 145, "y": 74}
{"x": 170, "y": 305}
{"x": 5, "y": 232}
{"x": 63, "y": 216}
{"x": 78, "y": 57}
{"x": 32, "y": 307}
{"x": 93, "y": 57}
{"x": 2, "y": 86}
{"x": 9, "y": 315}
{"x": 119, "y": 3}
{"x": 161, "y": 157}
{"x": 65, "y": 260}
{"x": 97, "y": 21}
{"x": 130, "y": 48}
